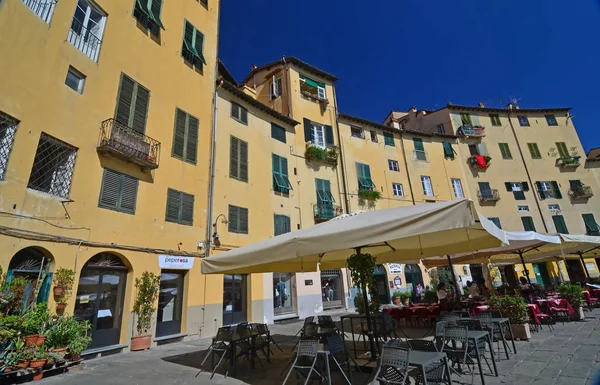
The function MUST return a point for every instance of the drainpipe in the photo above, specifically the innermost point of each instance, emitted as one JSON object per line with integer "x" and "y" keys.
{"x": 410, "y": 188}
{"x": 288, "y": 88}
{"x": 211, "y": 187}
{"x": 535, "y": 197}
{"x": 342, "y": 165}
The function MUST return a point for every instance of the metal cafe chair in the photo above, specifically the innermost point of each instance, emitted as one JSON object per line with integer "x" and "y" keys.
{"x": 220, "y": 345}
{"x": 440, "y": 326}
{"x": 435, "y": 373}
{"x": 498, "y": 331}
{"x": 307, "y": 321}
{"x": 422, "y": 345}
{"x": 393, "y": 366}
{"x": 475, "y": 324}
{"x": 340, "y": 356}
{"x": 456, "y": 347}
{"x": 305, "y": 362}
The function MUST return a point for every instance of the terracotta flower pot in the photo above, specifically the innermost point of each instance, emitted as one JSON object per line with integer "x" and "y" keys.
{"x": 40, "y": 340}
{"x": 38, "y": 376}
{"x": 8, "y": 369}
{"x": 396, "y": 301}
{"x": 140, "y": 343}
{"x": 31, "y": 340}
{"x": 59, "y": 291}
{"x": 37, "y": 363}
{"x": 60, "y": 351}
{"x": 61, "y": 306}
{"x": 23, "y": 365}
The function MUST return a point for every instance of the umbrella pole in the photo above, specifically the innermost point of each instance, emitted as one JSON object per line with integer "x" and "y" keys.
{"x": 525, "y": 271}
{"x": 456, "y": 287}
{"x": 583, "y": 263}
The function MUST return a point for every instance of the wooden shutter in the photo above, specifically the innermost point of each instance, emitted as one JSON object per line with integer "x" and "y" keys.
{"x": 243, "y": 160}
{"x": 191, "y": 146}
{"x": 528, "y": 224}
{"x": 418, "y": 144}
{"x": 173, "y": 205}
{"x": 125, "y": 100}
{"x": 187, "y": 209}
{"x": 465, "y": 118}
{"x": 278, "y": 133}
{"x": 556, "y": 190}
{"x": 232, "y": 218}
{"x": 179, "y": 134}
{"x": 540, "y": 190}
{"x": 243, "y": 114}
{"x": 156, "y": 6}
{"x": 329, "y": 135}
{"x": 109, "y": 191}
{"x": 234, "y": 158}
{"x": 562, "y": 149}
{"x": 308, "y": 135}
{"x": 281, "y": 224}
{"x": 559, "y": 224}
{"x": 243, "y": 220}
{"x": 199, "y": 45}
{"x": 525, "y": 186}
{"x": 508, "y": 186}
{"x": 142, "y": 98}
{"x": 129, "y": 189}
{"x": 188, "y": 37}
{"x": 590, "y": 223}
{"x": 284, "y": 166}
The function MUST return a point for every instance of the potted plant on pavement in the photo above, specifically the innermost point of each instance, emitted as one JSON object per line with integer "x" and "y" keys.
{"x": 63, "y": 282}
{"x": 405, "y": 298}
{"x": 80, "y": 341}
{"x": 39, "y": 357}
{"x": 515, "y": 309}
{"x": 574, "y": 294}
{"x": 147, "y": 288}
{"x": 396, "y": 298}
{"x": 34, "y": 325}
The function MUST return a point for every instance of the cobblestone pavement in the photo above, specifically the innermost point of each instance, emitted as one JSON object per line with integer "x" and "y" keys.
{"x": 568, "y": 355}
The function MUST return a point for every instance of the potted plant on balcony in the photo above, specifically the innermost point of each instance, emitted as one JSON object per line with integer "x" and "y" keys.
{"x": 515, "y": 309}
{"x": 370, "y": 196}
{"x": 63, "y": 282}
{"x": 314, "y": 153}
{"x": 573, "y": 294}
{"x": 147, "y": 288}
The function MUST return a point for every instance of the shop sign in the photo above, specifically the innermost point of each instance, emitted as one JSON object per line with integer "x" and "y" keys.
{"x": 175, "y": 262}
{"x": 397, "y": 281}
{"x": 395, "y": 268}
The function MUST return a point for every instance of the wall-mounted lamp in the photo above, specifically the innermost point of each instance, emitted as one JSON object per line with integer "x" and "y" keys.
{"x": 215, "y": 236}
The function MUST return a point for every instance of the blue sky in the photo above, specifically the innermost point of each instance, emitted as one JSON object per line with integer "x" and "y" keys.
{"x": 392, "y": 54}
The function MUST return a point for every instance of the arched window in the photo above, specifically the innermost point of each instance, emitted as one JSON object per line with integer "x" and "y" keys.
{"x": 32, "y": 264}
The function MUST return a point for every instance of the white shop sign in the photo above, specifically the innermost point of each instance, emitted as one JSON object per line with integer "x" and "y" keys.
{"x": 395, "y": 268}
{"x": 175, "y": 262}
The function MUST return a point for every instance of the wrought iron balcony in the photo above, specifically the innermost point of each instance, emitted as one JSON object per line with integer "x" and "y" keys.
{"x": 581, "y": 192}
{"x": 125, "y": 143}
{"x": 469, "y": 131}
{"x": 84, "y": 40}
{"x": 568, "y": 161}
{"x": 481, "y": 162}
{"x": 326, "y": 211}
{"x": 43, "y": 8}
{"x": 488, "y": 195}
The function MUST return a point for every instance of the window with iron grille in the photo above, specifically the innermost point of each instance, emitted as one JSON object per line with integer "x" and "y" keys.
{"x": 237, "y": 220}
{"x": 185, "y": 136}
{"x": 147, "y": 13}
{"x": 87, "y": 28}
{"x": 43, "y": 8}
{"x": 180, "y": 207}
{"x": 52, "y": 167}
{"x": 118, "y": 192}
{"x": 132, "y": 104}
{"x": 8, "y": 129}
{"x": 192, "y": 48}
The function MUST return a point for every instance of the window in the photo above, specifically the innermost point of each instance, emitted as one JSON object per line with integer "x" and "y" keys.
{"x": 522, "y": 208}
{"x": 275, "y": 88}
{"x": 591, "y": 226}
{"x": 419, "y": 149}
{"x": 427, "y": 187}
{"x": 518, "y": 189}
{"x": 559, "y": 224}
{"x": 397, "y": 189}
{"x": 278, "y": 133}
{"x": 118, "y": 192}
{"x": 204, "y": 2}
{"x": 534, "y": 151}
{"x": 465, "y": 119}
{"x": 496, "y": 221}
{"x": 318, "y": 134}
{"x": 132, "y": 104}
{"x": 312, "y": 88}
{"x": 281, "y": 224}
{"x": 495, "y": 118}
{"x": 42, "y": 8}
{"x": 239, "y": 113}
{"x": 185, "y": 137}
{"x": 147, "y": 13}
{"x": 87, "y": 29}
{"x": 8, "y": 129}
{"x": 324, "y": 209}
{"x": 528, "y": 224}
{"x": 485, "y": 191}
{"x": 237, "y": 220}
{"x": 523, "y": 121}
{"x": 548, "y": 190}
{"x": 457, "y": 188}
{"x": 357, "y": 132}
{"x": 238, "y": 159}
{"x": 554, "y": 207}
{"x": 551, "y": 120}
{"x": 505, "y": 151}
{"x": 448, "y": 150}
{"x": 388, "y": 139}
{"x": 192, "y": 48}
{"x": 52, "y": 167}
{"x": 478, "y": 149}
{"x": 75, "y": 80}
{"x": 374, "y": 136}
{"x": 393, "y": 165}
{"x": 441, "y": 129}
{"x": 363, "y": 173}
{"x": 562, "y": 149}
{"x": 180, "y": 207}
{"x": 281, "y": 183}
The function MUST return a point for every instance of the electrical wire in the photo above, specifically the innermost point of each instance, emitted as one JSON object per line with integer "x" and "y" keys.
{"x": 4, "y": 213}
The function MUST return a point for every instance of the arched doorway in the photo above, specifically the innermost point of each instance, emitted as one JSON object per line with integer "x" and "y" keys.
{"x": 100, "y": 296}
{"x": 381, "y": 285}
{"x": 32, "y": 265}
{"x": 413, "y": 277}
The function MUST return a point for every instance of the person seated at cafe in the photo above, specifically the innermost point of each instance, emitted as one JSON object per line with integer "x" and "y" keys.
{"x": 442, "y": 296}
{"x": 483, "y": 290}
{"x": 473, "y": 289}
{"x": 525, "y": 289}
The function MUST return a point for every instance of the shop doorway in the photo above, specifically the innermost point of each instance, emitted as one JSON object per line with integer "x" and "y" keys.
{"x": 31, "y": 264}
{"x": 235, "y": 299}
{"x": 100, "y": 297}
{"x": 476, "y": 273}
{"x": 283, "y": 302}
{"x": 170, "y": 303}
{"x": 541, "y": 274}
{"x": 381, "y": 285}
{"x": 575, "y": 270}
{"x": 413, "y": 277}
{"x": 331, "y": 288}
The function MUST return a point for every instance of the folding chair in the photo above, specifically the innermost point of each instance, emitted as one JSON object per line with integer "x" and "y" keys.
{"x": 423, "y": 345}
{"x": 456, "y": 347}
{"x": 498, "y": 332}
{"x": 220, "y": 345}
{"x": 307, "y": 321}
{"x": 435, "y": 373}
{"x": 325, "y": 321}
{"x": 393, "y": 366}
{"x": 305, "y": 362}
{"x": 340, "y": 356}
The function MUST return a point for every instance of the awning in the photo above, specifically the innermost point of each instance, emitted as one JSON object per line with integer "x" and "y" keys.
{"x": 312, "y": 83}
{"x": 392, "y": 235}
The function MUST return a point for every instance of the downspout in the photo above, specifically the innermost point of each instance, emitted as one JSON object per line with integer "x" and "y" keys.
{"x": 342, "y": 166}
{"x": 410, "y": 188}
{"x": 288, "y": 87}
{"x": 537, "y": 203}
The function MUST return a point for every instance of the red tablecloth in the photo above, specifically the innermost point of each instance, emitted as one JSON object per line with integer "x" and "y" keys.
{"x": 534, "y": 310}
{"x": 560, "y": 304}
{"x": 595, "y": 293}
{"x": 408, "y": 312}
{"x": 480, "y": 308}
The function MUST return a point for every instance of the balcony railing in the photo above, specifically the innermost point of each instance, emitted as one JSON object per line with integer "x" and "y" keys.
{"x": 568, "y": 161}
{"x": 481, "y": 162}
{"x": 488, "y": 195}
{"x": 581, "y": 192}
{"x": 468, "y": 130}
{"x": 43, "y": 8}
{"x": 125, "y": 143}
{"x": 325, "y": 211}
{"x": 84, "y": 40}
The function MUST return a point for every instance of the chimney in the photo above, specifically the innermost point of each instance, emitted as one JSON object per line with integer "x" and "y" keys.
{"x": 254, "y": 66}
{"x": 480, "y": 105}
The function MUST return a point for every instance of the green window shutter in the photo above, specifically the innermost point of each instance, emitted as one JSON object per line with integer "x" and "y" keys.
{"x": 243, "y": 159}
{"x": 496, "y": 221}
{"x": 110, "y": 189}
{"x": 278, "y": 133}
{"x": 191, "y": 147}
{"x": 388, "y": 139}
{"x": 232, "y": 219}
{"x": 179, "y": 134}
{"x": 125, "y": 100}
{"x": 519, "y": 195}
{"x": 556, "y": 190}
{"x": 199, "y": 45}
{"x": 505, "y": 151}
{"x": 418, "y": 143}
{"x": 281, "y": 182}
{"x": 559, "y": 224}
{"x": 525, "y": 186}
{"x": 508, "y": 186}
{"x": 129, "y": 187}
{"x": 140, "y": 112}
{"x": 187, "y": 209}
{"x": 281, "y": 224}
{"x": 308, "y": 136}
{"x": 528, "y": 224}
{"x": 540, "y": 190}
{"x": 562, "y": 149}
{"x": 590, "y": 223}
{"x": 173, "y": 206}
{"x": 448, "y": 150}
{"x": 465, "y": 118}
{"x": 155, "y": 9}
{"x": 234, "y": 158}
{"x": 188, "y": 38}
{"x": 243, "y": 218}
{"x": 534, "y": 150}
{"x": 329, "y": 136}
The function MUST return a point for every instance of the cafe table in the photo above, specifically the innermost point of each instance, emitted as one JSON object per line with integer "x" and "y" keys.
{"x": 422, "y": 360}
{"x": 475, "y": 336}
{"x": 499, "y": 321}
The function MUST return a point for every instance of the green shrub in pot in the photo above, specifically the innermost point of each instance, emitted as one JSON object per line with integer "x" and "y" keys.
{"x": 512, "y": 307}
{"x": 572, "y": 293}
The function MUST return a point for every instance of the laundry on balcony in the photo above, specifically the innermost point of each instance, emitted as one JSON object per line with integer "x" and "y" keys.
{"x": 480, "y": 161}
